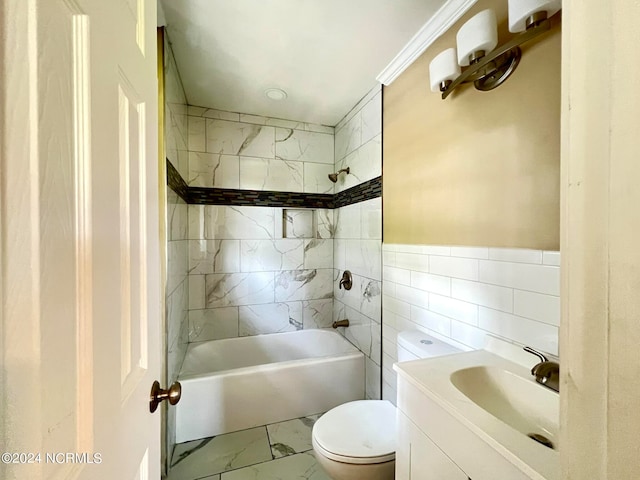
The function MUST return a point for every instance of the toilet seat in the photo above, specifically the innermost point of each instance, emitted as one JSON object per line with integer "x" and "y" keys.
{"x": 360, "y": 432}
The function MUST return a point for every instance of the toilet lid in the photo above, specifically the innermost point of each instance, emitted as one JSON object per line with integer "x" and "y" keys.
{"x": 363, "y": 431}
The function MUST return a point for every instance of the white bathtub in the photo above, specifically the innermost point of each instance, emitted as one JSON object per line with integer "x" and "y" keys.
{"x": 245, "y": 382}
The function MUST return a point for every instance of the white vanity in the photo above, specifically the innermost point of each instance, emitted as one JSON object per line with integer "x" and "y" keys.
{"x": 469, "y": 416}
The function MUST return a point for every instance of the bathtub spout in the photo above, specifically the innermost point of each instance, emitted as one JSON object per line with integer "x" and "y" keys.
{"x": 340, "y": 323}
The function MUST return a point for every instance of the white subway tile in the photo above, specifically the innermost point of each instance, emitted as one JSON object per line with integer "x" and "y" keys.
{"x": 389, "y": 288}
{"x": 470, "y": 252}
{"x": 388, "y": 257}
{"x": 436, "y": 250}
{"x": 537, "y": 306}
{"x": 389, "y": 341}
{"x": 389, "y": 318}
{"x": 412, "y": 261}
{"x": 465, "y": 268}
{"x": 390, "y": 247}
{"x": 431, "y": 283}
{"x": 397, "y": 275}
{"x": 535, "y": 278}
{"x": 431, "y": 320}
{"x": 389, "y": 393}
{"x": 551, "y": 258}
{"x": 520, "y": 255}
{"x": 408, "y": 248}
{"x": 396, "y": 306}
{"x": 492, "y": 296}
{"x": 528, "y": 332}
{"x": 452, "y": 308}
{"x": 412, "y": 296}
{"x": 468, "y": 334}
{"x": 389, "y": 375}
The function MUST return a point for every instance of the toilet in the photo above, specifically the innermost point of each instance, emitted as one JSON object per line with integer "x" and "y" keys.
{"x": 357, "y": 440}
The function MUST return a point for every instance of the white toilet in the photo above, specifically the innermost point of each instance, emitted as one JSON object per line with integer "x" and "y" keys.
{"x": 357, "y": 440}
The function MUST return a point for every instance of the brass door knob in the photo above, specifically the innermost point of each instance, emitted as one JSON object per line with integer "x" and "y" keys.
{"x": 173, "y": 394}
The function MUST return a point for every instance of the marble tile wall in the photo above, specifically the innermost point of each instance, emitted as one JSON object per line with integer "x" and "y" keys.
{"x": 358, "y": 142}
{"x": 176, "y": 118}
{"x": 233, "y": 150}
{"x": 255, "y": 270}
{"x": 177, "y": 288}
{"x": 459, "y": 294}
{"x": 358, "y": 236}
{"x": 177, "y": 296}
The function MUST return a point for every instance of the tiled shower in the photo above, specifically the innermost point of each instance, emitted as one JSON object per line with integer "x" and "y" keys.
{"x": 237, "y": 269}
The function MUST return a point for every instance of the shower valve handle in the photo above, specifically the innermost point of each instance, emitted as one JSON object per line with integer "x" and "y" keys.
{"x": 346, "y": 281}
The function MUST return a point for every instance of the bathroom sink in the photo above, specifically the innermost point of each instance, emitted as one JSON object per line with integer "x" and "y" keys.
{"x": 519, "y": 402}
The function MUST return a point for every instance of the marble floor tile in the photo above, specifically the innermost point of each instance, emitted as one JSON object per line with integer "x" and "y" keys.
{"x": 201, "y": 458}
{"x": 302, "y": 466}
{"x": 291, "y": 437}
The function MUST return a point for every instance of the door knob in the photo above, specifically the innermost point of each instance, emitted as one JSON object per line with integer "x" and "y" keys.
{"x": 173, "y": 394}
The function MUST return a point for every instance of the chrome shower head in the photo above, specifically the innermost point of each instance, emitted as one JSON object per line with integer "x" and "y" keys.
{"x": 334, "y": 176}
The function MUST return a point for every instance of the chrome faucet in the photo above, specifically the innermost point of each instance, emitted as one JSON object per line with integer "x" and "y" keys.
{"x": 547, "y": 373}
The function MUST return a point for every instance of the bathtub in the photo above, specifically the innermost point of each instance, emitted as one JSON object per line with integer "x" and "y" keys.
{"x": 239, "y": 383}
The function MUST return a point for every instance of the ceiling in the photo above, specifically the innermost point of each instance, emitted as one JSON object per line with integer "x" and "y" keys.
{"x": 324, "y": 53}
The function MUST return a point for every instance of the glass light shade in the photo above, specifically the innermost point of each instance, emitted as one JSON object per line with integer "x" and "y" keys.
{"x": 520, "y": 10}
{"x": 442, "y": 68}
{"x": 479, "y": 33}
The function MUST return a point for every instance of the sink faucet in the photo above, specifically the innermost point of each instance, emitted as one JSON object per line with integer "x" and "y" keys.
{"x": 547, "y": 373}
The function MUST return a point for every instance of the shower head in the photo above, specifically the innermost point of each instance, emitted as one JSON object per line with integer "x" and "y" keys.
{"x": 334, "y": 176}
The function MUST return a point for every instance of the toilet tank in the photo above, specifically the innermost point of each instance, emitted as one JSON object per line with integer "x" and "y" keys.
{"x": 414, "y": 344}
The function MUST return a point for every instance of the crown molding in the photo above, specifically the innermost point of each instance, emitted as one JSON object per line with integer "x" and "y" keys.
{"x": 443, "y": 19}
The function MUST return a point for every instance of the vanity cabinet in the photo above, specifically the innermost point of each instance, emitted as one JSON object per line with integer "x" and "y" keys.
{"x": 432, "y": 444}
{"x": 418, "y": 458}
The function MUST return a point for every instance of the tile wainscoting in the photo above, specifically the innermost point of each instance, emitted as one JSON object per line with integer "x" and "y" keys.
{"x": 460, "y": 294}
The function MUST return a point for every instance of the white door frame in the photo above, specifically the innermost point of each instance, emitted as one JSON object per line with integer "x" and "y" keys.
{"x": 600, "y": 231}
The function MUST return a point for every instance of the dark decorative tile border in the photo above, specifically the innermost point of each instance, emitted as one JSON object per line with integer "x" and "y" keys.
{"x": 261, "y": 198}
{"x": 226, "y": 196}
{"x": 365, "y": 191}
{"x": 176, "y": 182}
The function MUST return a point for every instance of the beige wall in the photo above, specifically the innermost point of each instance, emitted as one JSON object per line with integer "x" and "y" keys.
{"x": 479, "y": 168}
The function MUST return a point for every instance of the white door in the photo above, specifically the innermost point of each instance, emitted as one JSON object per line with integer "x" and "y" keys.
{"x": 81, "y": 289}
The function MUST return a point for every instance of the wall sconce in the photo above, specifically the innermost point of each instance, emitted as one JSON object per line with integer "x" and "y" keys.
{"x": 485, "y": 65}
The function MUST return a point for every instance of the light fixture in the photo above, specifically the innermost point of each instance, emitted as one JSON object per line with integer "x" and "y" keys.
{"x": 485, "y": 65}
{"x": 444, "y": 69}
{"x": 276, "y": 94}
